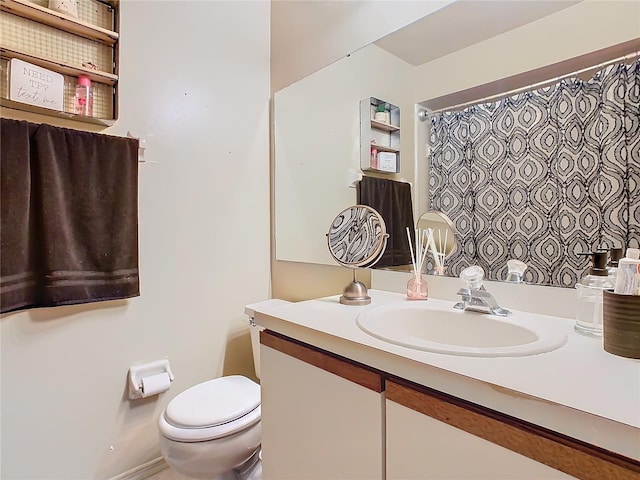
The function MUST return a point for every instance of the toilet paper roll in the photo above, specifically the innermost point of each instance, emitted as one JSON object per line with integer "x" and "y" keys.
{"x": 155, "y": 384}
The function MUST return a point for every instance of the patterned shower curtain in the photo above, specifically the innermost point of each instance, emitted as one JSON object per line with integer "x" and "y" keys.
{"x": 542, "y": 176}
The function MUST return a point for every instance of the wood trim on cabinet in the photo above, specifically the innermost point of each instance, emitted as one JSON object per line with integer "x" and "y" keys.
{"x": 330, "y": 362}
{"x": 569, "y": 455}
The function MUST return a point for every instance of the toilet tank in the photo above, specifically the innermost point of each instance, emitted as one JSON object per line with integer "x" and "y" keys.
{"x": 255, "y": 329}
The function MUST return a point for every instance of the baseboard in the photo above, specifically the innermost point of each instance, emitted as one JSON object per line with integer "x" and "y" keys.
{"x": 143, "y": 471}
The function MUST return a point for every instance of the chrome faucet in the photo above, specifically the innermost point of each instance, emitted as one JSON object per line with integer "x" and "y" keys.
{"x": 474, "y": 297}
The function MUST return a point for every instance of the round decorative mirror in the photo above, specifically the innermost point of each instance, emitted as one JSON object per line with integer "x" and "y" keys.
{"x": 444, "y": 235}
{"x": 357, "y": 238}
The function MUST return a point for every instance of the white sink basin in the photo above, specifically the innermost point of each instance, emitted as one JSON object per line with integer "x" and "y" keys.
{"x": 432, "y": 327}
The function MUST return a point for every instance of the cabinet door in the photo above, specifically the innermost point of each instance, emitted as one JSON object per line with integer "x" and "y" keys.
{"x": 317, "y": 424}
{"x": 433, "y": 435}
{"x": 420, "y": 447}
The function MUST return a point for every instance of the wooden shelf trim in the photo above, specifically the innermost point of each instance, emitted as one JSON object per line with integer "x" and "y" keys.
{"x": 63, "y": 68}
{"x": 385, "y": 172}
{"x": 569, "y": 455}
{"x": 25, "y": 107}
{"x": 326, "y": 361}
{"x": 384, "y": 126}
{"x": 382, "y": 148}
{"x": 43, "y": 15}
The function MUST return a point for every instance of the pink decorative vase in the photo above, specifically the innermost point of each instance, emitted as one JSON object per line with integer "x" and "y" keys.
{"x": 417, "y": 288}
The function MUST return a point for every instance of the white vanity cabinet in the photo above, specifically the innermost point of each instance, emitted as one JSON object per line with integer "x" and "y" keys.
{"x": 321, "y": 416}
{"x": 327, "y": 417}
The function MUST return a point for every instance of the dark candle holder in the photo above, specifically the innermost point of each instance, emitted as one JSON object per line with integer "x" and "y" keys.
{"x": 621, "y": 324}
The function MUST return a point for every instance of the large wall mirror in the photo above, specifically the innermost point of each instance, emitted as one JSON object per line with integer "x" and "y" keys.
{"x": 466, "y": 51}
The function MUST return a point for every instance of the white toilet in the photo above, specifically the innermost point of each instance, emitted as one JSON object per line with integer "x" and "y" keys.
{"x": 212, "y": 430}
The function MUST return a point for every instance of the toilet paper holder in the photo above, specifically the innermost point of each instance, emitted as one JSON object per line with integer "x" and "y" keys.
{"x": 138, "y": 372}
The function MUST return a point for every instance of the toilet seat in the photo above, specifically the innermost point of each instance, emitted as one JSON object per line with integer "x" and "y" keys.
{"x": 213, "y": 409}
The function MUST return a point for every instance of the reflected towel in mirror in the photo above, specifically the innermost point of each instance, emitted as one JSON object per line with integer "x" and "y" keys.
{"x": 393, "y": 201}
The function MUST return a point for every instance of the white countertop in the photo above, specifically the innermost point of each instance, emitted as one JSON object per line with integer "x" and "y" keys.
{"x": 579, "y": 389}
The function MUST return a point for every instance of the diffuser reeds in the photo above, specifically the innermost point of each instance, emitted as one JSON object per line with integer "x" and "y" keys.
{"x": 425, "y": 242}
{"x": 417, "y": 286}
{"x": 421, "y": 248}
{"x": 439, "y": 253}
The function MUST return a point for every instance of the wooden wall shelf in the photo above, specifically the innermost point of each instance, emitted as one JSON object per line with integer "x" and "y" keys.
{"x": 23, "y": 107}
{"x": 66, "y": 45}
{"x": 64, "y": 69}
{"x": 64, "y": 22}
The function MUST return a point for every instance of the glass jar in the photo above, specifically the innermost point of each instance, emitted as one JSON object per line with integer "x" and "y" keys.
{"x": 417, "y": 288}
{"x": 439, "y": 270}
{"x": 589, "y": 315}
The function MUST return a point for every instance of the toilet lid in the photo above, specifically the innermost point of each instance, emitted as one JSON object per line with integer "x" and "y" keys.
{"x": 215, "y": 402}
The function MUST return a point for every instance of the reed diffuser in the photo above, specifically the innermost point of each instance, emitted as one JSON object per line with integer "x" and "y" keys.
{"x": 417, "y": 288}
{"x": 439, "y": 253}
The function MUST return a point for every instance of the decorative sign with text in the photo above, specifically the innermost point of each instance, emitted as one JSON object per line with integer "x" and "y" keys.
{"x": 35, "y": 85}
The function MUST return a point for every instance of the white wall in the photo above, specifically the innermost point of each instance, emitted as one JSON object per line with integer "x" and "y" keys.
{"x": 586, "y": 27}
{"x": 308, "y": 35}
{"x": 194, "y": 78}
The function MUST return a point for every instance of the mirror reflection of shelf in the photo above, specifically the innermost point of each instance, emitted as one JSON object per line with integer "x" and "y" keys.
{"x": 379, "y": 133}
{"x": 382, "y": 148}
{"x": 384, "y": 126}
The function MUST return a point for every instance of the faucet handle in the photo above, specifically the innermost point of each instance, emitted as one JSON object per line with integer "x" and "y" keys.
{"x": 473, "y": 277}
{"x": 515, "y": 271}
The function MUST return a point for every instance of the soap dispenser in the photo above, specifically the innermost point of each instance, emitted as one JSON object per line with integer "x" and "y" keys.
{"x": 590, "y": 288}
{"x": 615, "y": 254}
{"x": 628, "y": 279}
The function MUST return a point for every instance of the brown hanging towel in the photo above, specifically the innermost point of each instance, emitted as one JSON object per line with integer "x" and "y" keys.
{"x": 69, "y": 226}
{"x": 393, "y": 201}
